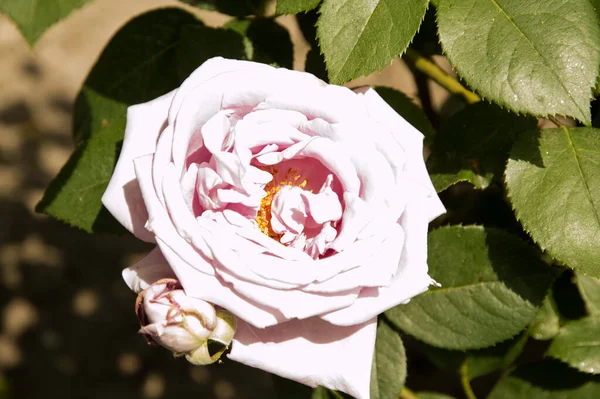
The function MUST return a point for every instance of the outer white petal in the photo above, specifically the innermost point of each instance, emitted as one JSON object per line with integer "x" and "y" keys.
{"x": 210, "y": 86}
{"x": 411, "y": 140}
{"x": 160, "y": 222}
{"x": 382, "y": 257}
{"x": 293, "y": 303}
{"x": 211, "y": 68}
{"x": 312, "y": 352}
{"x": 216, "y": 291}
{"x": 122, "y": 196}
{"x": 148, "y": 270}
{"x": 410, "y": 280}
{"x": 314, "y": 98}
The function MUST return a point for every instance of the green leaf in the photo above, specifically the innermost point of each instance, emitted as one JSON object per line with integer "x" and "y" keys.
{"x": 492, "y": 284}
{"x": 409, "y": 111}
{"x": 540, "y": 57}
{"x": 33, "y": 17}
{"x": 74, "y": 195}
{"x": 589, "y": 288}
{"x": 474, "y": 145}
{"x": 324, "y": 393}
{"x": 546, "y": 323}
{"x": 359, "y": 37}
{"x": 295, "y": 6}
{"x": 547, "y": 380}
{"x": 578, "y": 345}
{"x": 432, "y": 395}
{"x": 199, "y": 43}
{"x": 477, "y": 362}
{"x": 553, "y": 180}
{"x": 389, "y": 363}
{"x": 238, "y": 8}
{"x": 266, "y": 41}
{"x": 499, "y": 357}
{"x": 140, "y": 63}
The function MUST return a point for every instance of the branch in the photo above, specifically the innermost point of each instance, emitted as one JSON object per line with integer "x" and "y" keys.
{"x": 435, "y": 73}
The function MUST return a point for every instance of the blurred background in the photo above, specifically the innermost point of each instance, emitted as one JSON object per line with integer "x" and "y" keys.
{"x": 67, "y": 325}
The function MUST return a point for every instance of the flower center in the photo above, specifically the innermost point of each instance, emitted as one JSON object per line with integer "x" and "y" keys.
{"x": 290, "y": 178}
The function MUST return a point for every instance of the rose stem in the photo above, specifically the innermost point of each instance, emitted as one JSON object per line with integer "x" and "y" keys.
{"x": 464, "y": 380}
{"x": 435, "y": 73}
{"x": 407, "y": 394}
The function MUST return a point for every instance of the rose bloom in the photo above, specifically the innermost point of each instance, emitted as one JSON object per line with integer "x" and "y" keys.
{"x": 300, "y": 207}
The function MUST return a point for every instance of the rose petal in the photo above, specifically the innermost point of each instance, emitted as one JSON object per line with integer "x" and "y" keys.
{"x": 148, "y": 270}
{"x": 254, "y": 135}
{"x": 214, "y": 93}
{"x": 160, "y": 223}
{"x": 122, "y": 196}
{"x": 188, "y": 186}
{"x": 312, "y": 352}
{"x": 216, "y": 291}
{"x": 384, "y": 258}
{"x": 293, "y": 303}
{"x": 215, "y": 132}
{"x": 162, "y": 157}
{"x": 410, "y": 280}
{"x": 253, "y": 264}
{"x": 331, "y": 103}
{"x": 289, "y": 117}
{"x": 410, "y": 139}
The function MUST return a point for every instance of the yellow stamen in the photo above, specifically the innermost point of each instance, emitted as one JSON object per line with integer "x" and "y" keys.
{"x": 263, "y": 217}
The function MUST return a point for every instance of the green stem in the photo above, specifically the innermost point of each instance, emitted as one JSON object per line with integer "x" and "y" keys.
{"x": 407, "y": 394}
{"x": 336, "y": 394}
{"x": 464, "y": 380}
{"x": 555, "y": 121}
{"x": 435, "y": 73}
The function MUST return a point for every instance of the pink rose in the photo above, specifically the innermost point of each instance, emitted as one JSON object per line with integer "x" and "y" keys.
{"x": 300, "y": 207}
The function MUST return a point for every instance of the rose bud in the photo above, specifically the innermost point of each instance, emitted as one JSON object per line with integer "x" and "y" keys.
{"x": 186, "y": 326}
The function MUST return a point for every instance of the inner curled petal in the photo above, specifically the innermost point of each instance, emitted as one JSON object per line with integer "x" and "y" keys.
{"x": 306, "y": 220}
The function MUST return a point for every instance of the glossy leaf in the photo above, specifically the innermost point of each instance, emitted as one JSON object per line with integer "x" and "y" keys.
{"x": 295, "y": 6}
{"x": 199, "y": 43}
{"x": 432, "y": 395}
{"x": 492, "y": 284}
{"x": 474, "y": 144}
{"x": 553, "y": 180}
{"x": 578, "y": 345}
{"x": 74, "y": 195}
{"x": 34, "y": 17}
{"x": 548, "y": 380}
{"x": 138, "y": 64}
{"x": 477, "y": 362}
{"x": 389, "y": 363}
{"x": 266, "y": 41}
{"x": 237, "y": 8}
{"x": 589, "y": 288}
{"x": 358, "y": 37}
{"x": 539, "y": 57}
{"x": 141, "y": 62}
